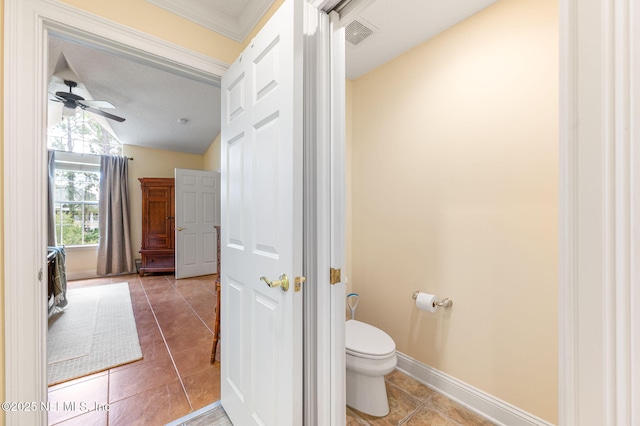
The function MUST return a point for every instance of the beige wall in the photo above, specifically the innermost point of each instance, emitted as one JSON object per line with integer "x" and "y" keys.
{"x": 486, "y": 239}
{"x": 150, "y": 19}
{"x": 348, "y": 178}
{"x": 149, "y": 162}
{"x": 212, "y": 156}
{"x": 454, "y": 192}
{"x": 81, "y": 262}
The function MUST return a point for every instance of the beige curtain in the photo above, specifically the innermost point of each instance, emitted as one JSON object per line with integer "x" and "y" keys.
{"x": 114, "y": 248}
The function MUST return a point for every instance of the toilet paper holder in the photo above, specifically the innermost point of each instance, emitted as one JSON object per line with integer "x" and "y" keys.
{"x": 444, "y": 303}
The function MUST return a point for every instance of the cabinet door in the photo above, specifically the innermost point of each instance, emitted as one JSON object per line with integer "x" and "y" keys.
{"x": 158, "y": 230}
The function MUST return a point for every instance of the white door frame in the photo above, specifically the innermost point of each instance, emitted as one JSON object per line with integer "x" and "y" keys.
{"x": 324, "y": 353}
{"x": 338, "y": 398}
{"x": 599, "y": 362}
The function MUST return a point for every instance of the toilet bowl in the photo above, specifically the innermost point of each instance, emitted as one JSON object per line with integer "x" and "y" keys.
{"x": 370, "y": 354}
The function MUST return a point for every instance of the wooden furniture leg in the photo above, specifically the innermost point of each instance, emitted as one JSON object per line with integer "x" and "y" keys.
{"x": 216, "y": 325}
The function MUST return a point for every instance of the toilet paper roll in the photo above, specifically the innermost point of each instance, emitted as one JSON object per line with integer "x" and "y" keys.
{"x": 426, "y": 302}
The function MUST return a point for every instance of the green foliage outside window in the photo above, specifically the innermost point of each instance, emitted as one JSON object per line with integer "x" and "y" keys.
{"x": 70, "y": 232}
{"x": 76, "y": 207}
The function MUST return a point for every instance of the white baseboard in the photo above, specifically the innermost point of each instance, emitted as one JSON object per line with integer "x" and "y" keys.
{"x": 81, "y": 275}
{"x": 85, "y": 275}
{"x": 493, "y": 409}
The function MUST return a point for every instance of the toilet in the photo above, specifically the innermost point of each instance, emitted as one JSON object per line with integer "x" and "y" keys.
{"x": 370, "y": 354}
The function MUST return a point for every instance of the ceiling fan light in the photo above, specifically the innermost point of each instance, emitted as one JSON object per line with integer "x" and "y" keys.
{"x": 68, "y": 112}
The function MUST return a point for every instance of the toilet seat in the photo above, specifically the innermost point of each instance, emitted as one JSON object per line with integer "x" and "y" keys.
{"x": 366, "y": 341}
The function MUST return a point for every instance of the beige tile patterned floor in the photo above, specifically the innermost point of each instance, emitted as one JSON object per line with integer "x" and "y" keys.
{"x": 412, "y": 403}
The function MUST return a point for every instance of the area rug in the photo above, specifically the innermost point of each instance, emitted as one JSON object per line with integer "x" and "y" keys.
{"x": 94, "y": 332}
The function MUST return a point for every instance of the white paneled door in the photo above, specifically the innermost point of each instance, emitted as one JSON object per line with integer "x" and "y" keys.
{"x": 197, "y": 211}
{"x": 261, "y": 376}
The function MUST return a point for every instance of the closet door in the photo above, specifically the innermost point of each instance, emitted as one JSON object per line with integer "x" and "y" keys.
{"x": 197, "y": 195}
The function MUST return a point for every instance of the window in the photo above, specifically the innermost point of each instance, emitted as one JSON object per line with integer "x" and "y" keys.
{"x": 82, "y": 133}
{"x": 76, "y": 206}
{"x": 77, "y": 178}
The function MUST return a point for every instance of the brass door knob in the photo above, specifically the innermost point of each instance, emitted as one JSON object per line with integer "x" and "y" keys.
{"x": 283, "y": 282}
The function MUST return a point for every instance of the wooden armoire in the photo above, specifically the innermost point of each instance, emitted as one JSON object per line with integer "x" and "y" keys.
{"x": 158, "y": 221}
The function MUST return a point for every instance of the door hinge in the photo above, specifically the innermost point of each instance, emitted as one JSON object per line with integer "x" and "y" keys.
{"x": 335, "y": 276}
{"x": 297, "y": 285}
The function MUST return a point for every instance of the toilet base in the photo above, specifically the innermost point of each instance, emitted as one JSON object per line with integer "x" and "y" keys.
{"x": 367, "y": 394}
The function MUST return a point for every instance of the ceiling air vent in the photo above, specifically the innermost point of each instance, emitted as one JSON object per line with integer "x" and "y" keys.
{"x": 357, "y": 31}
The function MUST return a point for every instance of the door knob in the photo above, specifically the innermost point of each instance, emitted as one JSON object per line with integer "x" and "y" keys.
{"x": 179, "y": 228}
{"x": 283, "y": 282}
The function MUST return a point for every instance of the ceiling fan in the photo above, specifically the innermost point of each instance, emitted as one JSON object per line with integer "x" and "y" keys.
{"x": 72, "y": 101}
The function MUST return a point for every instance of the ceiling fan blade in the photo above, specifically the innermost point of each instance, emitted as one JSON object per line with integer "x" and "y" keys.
{"x": 100, "y": 112}
{"x": 98, "y": 104}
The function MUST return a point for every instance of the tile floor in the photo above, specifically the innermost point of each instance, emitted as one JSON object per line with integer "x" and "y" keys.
{"x": 412, "y": 403}
{"x": 175, "y": 377}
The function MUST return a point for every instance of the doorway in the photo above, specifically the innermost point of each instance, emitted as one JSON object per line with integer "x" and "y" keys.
{"x": 169, "y": 368}
{"x": 29, "y": 319}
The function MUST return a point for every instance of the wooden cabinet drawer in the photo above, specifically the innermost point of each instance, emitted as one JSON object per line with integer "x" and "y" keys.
{"x": 157, "y": 260}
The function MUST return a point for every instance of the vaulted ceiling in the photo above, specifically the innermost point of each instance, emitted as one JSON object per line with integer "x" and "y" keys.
{"x": 167, "y": 109}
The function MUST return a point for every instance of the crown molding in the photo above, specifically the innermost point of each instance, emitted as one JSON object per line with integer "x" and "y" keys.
{"x": 237, "y": 27}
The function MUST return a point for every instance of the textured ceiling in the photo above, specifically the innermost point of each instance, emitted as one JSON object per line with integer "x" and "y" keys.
{"x": 151, "y": 99}
{"x": 154, "y": 99}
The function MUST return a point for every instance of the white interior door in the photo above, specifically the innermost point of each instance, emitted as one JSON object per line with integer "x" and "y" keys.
{"x": 197, "y": 211}
{"x": 261, "y": 231}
